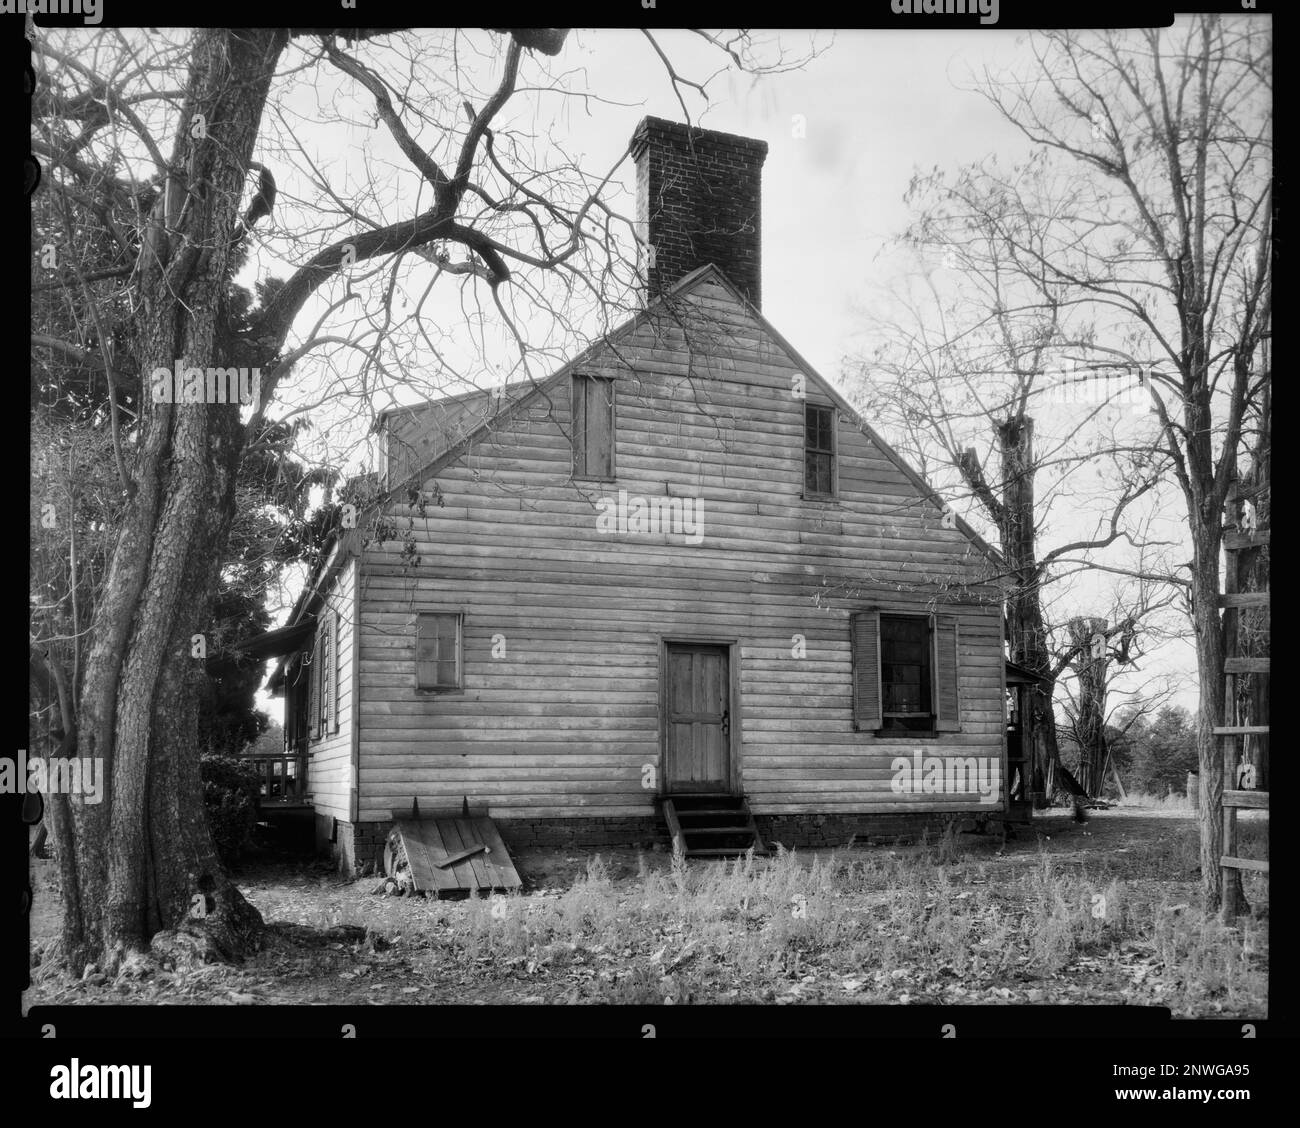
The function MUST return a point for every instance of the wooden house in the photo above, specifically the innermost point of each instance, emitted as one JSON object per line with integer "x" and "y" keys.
{"x": 681, "y": 569}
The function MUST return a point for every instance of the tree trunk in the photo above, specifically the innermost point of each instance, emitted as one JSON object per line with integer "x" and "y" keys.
{"x": 1090, "y": 722}
{"x": 143, "y": 860}
{"x": 1209, "y": 660}
{"x": 1024, "y": 605}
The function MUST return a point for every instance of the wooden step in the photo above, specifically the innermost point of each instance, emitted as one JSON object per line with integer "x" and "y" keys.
{"x": 708, "y": 811}
{"x": 678, "y": 811}
{"x": 689, "y": 830}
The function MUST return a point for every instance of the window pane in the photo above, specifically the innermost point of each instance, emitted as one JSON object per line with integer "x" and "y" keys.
{"x": 819, "y": 457}
{"x": 447, "y": 645}
{"x": 905, "y": 664}
{"x": 437, "y": 651}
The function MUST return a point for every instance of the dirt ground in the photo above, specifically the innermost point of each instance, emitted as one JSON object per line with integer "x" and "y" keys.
{"x": 917, "y": 923}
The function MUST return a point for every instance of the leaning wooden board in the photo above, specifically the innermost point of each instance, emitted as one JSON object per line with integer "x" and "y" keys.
{"x": 430, "y": 842}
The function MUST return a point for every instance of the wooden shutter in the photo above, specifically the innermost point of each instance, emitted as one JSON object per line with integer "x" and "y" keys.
{"x": 313, "y": 687}
{"x": 579, "y": 425}
{"x": 864, "y": 635}
{"x": 945, "y": 678}
{"x": 332, "y": 673}
{"x": 593, "y": 427}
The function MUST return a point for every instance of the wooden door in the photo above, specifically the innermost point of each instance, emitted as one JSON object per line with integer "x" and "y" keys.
{"x": 697, "y": 720}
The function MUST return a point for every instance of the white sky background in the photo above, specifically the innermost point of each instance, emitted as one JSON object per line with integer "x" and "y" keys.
{"x": 877, "y": 106}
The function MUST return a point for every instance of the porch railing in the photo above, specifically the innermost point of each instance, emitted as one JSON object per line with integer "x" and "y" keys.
{"x": 283, "y": 777}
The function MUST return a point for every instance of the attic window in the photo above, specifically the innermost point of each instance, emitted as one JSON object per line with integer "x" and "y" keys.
{"x": 819, "y": 451}
{"x": 438, "y": 655}
{"x": 593, "y": 428}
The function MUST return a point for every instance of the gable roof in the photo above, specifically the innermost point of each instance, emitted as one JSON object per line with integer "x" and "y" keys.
{"x": 507, "y": 406}
{"x": 688, "y": 282}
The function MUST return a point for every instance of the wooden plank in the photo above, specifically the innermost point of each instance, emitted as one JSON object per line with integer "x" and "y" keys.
{"x": 504, "y": 874}
{"x": 1257, "y": 800}
{"x": 1246, "y": 666}
{"x": 461, "y": 856}
{"x": 477, "y": 874}
{"x": 1241, "y": 730}
{"x": 674, "y": 827}
{"x": 1235, "y": 542}
{"x": 432, "y": 845}
{"x": 445, "y": 840}
{"x": 417, "y": 858}
{"x": 1244, "y": 599}
{"x": 1244, "y": 864}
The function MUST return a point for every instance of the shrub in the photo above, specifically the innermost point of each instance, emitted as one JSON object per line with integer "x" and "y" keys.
{"x": 230, "y": 788}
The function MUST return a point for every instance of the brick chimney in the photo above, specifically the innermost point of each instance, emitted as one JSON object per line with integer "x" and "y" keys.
{"x": 698, "y": 196}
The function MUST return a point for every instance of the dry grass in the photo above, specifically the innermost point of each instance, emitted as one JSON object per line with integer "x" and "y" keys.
{"x": 938, "y": 923}
{"x": 1065, "y": 919}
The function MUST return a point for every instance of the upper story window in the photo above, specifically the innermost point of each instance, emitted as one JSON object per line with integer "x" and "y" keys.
{"x": 819, "y": 451}
{"x": 593, "y": 427}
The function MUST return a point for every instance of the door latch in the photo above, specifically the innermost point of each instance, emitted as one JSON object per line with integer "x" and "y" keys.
{"x": 726, "y": 722}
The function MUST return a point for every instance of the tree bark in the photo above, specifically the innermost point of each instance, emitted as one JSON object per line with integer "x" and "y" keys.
{"x": 1024, "y": 605}
{"x": 1090, "y": 720}
{"x": 143, "y": 859}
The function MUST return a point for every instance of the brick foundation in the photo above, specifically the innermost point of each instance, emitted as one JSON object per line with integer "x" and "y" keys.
{"x": 359, "y": 848}
{"x": 827, "y": 832}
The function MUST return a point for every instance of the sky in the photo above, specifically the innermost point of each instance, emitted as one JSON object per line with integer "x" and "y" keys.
{"x": 846, "y": 132}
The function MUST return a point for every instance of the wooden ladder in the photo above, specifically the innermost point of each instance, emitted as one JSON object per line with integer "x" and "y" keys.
{"x": 711, "y": 825}
{"x": 1239, "y": 789}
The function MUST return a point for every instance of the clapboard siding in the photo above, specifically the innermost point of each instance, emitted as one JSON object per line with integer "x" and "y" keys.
{"x": 329, "y": 767}
{"x": 564, "y": 721}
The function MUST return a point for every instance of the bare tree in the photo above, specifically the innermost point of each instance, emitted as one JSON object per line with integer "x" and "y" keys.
{"x": 965, "y": 364}
{"x": 1143, "y": 218}
{"x": 148, "y": 141}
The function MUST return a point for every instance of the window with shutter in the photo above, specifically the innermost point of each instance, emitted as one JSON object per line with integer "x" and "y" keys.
{"x": 864, "y": 633}
{"x": 593, "y": 427}
{"x": 906, "y": 674}
{"x": 438, "y": 657}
